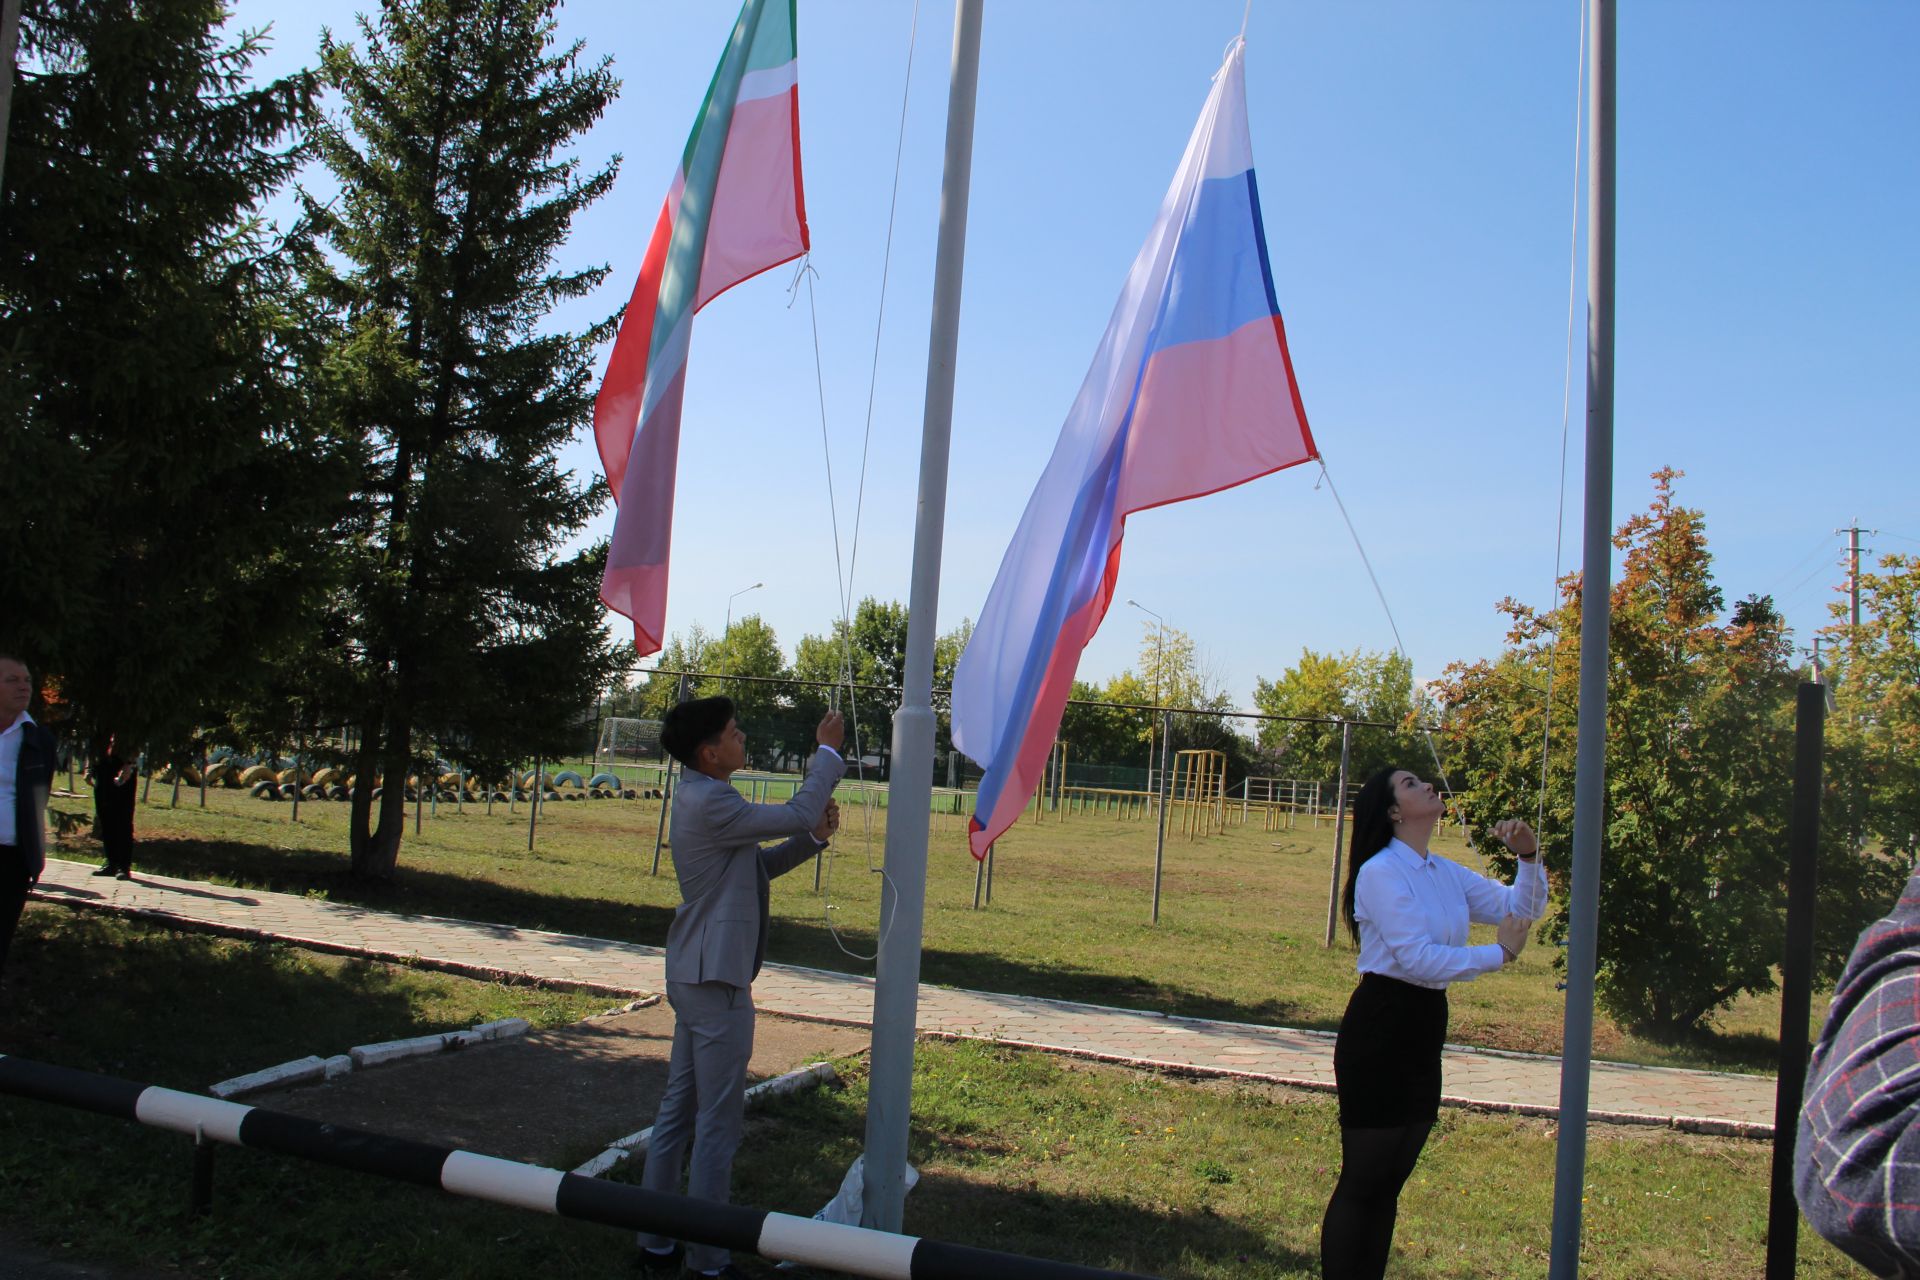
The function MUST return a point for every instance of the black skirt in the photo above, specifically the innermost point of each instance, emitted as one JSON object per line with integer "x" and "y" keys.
{"x": 1387, "y": 1059}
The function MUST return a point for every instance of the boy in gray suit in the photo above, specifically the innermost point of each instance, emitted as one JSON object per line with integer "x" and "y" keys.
{"x": 717, "y": 943}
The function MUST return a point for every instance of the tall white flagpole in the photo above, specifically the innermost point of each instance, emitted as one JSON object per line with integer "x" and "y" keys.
{"x": 903, "y": 894}
{"x": 1596, "y": 576}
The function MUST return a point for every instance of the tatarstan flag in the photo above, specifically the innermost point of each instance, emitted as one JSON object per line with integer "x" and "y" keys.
{"x": 735, "y": 208}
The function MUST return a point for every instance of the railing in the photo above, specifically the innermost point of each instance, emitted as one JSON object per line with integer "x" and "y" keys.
{"x": 778, "y": 1237}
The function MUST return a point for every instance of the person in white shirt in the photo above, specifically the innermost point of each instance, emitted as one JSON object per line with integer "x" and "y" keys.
{"x": 26, "y": 779}
{"x": 1408, "y": 909}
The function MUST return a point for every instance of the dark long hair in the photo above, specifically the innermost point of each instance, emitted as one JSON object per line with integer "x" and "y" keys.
{"x": 1372, "y": 828}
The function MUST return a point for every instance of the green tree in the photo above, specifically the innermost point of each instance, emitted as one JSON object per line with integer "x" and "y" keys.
{"x": 1373, "y": 687}
{"x": 652, "y": 695}
{"x": 761, "y": 696}
{"x": 872, "y": 651}
{"x": 163, "y": 492}
{"x": 467, "y": 628}
{"x": 1698, "y": 778}
{"x": 1098, "y": 733}
{"x": 1876, "y": 721}
{"x": 1175, "y": 674}
{"x": 1170, "y": 668}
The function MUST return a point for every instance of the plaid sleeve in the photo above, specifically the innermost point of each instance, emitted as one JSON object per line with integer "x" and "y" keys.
{"x": 1857, "y": 1162}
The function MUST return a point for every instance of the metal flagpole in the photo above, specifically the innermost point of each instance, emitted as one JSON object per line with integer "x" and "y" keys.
{"x": 1596, "y": 576}
{"x": 1160, "y": 840}
{"x": 896, "y": 992}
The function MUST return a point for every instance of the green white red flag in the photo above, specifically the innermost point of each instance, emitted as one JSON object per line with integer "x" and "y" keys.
{"x": 736, "y": 207}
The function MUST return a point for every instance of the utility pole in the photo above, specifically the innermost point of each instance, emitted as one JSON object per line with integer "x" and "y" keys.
{"x": 1159, "y": 660}
{"x": 1853, "y": 570}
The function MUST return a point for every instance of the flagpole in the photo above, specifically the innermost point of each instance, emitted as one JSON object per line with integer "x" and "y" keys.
{"x": 1596, "y": 576}
{"x": 896, "y": 993}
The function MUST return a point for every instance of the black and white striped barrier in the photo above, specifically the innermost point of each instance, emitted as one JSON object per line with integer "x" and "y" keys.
{"x": 777, "y": 1236}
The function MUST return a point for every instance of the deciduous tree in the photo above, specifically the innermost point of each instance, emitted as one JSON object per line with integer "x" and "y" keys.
{"x": 1698, "y": 777}
{"x": 1374, "y": 688}
{"x": 1876, "y": 721}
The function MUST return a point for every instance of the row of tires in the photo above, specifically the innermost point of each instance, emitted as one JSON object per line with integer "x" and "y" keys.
{"x": 266, "y": 790}
{"x": 250, "y": 777}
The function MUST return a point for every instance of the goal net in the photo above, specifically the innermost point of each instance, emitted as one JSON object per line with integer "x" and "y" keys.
{"x": 622, "y": 738}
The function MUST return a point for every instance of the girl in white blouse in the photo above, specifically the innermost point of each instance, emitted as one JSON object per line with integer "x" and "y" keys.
{"x": 1408, "y": 909}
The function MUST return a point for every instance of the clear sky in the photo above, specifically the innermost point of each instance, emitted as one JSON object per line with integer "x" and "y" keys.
{"x": 1416, "y": 169}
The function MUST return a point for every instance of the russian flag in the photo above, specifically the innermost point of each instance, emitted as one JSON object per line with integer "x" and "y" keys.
{"x": 1191, "y": 391}
{"x": 736, "y": 207}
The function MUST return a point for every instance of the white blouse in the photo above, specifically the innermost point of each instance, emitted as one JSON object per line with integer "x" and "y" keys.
{"x": 1413, "y": 912}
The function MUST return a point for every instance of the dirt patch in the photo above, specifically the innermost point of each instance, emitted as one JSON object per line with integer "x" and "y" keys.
{"x": 552, "y": 1098}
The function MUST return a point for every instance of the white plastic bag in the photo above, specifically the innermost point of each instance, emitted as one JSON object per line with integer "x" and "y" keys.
{"x": 844, "y": 1208}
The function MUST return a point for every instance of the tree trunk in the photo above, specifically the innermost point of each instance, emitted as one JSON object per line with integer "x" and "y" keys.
{"x": 377, "y": 852}
{"x": 359, "y": 819}
{"x": 383, "y": 849}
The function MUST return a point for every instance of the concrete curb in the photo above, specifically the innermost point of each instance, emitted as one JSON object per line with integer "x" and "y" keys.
{"x": 800, "y": 1078}
{"x": 313, "y": 1067}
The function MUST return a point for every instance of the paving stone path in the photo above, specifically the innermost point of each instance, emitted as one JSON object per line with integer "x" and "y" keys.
{"x": 1699, "y": 1101}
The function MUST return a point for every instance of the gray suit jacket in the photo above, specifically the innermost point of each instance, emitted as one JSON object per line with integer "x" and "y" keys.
{"x": 719, "y": 931}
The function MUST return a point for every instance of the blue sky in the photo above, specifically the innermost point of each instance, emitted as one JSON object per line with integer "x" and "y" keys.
{"x": 1415, "y": 164}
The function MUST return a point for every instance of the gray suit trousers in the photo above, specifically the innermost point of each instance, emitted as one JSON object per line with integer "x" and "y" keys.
{"x": 704, "y": 1102}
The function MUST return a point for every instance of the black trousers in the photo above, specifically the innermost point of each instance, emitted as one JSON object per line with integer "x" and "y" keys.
{"x": 113, "y": 822}
{"x": 13, "y": 896}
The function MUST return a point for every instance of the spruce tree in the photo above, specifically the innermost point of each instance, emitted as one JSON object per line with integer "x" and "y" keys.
{"x": 463, "y": 631}
{"x": 162, "y": 494}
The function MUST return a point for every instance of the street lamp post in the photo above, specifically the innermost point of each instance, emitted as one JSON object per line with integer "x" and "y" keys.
{"x": 1159, "y": 658}
{"x": 730, "y": 599}
{"x": 1166, "y": 735}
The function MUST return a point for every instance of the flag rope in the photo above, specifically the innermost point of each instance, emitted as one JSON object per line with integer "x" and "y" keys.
{"x": 1560, "y": 513}
{"x": 843, "y": 568}
{"x": 1400, "y": 647}
{"x": 1566, "y": 419}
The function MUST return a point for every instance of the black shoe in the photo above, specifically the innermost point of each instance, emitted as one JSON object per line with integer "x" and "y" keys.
{"x": 650, "y": 1263}
{"x": 124, "y": 873}
{"x": 108, "y": 870}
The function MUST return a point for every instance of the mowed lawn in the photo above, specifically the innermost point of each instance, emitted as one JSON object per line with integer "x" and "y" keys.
{"x": 1242, "y": 917}
{"x": 1018, "y": 1151}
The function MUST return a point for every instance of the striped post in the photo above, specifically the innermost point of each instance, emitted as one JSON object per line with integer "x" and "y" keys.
{"x": 776, "y": 1236}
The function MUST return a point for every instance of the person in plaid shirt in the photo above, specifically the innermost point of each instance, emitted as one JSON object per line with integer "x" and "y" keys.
{"x": 1857, "y": 1163}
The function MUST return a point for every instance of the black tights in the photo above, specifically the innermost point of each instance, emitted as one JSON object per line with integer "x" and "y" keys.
{"x": 1357, "y": 1232}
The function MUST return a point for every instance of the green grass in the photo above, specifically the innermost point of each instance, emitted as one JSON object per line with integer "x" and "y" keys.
{"x": 1017, "y": 1151}
{"x": 1108, "y": 1167}
{"x": 184, "y": 1010}
{"x": 1243, "y": 914}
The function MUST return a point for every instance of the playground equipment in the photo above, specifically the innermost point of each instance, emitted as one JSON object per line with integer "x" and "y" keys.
{"x": 1054, "y": 775}
{"x": 1199, "y": 787}
{"x": 1123, "y": 805}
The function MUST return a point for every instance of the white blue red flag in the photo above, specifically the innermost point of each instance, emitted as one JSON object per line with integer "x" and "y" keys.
{"x": 1191, "y": 392}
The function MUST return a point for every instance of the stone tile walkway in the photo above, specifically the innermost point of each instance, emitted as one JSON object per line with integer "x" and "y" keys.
{"x": 1699, "y": 1101}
